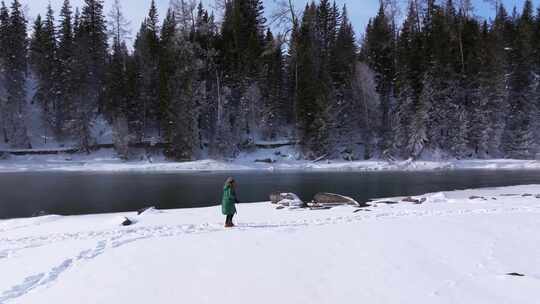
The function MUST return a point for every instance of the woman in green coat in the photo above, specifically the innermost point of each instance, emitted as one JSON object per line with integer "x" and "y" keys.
{"x": 229, "y": 201}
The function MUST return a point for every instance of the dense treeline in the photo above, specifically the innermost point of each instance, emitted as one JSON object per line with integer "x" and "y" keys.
{"x": 454, "y": 85}
{"x": 443, "y": 83}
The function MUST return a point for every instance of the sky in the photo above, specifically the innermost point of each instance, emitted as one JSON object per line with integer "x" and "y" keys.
{"x": 135, "y": 10}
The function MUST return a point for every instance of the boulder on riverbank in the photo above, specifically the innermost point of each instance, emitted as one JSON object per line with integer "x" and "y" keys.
{"x": 332, "y": 199}
{"x": 287, "y": 200}
{"x": 320, "y": 201}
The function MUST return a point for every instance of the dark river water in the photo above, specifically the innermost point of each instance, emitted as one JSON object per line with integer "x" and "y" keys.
{"x": 26, "y": 194}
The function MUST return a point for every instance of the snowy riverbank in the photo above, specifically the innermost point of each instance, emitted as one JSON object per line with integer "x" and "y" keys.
{"x": 105, "y": 161}
{"x": 456, "y": 247}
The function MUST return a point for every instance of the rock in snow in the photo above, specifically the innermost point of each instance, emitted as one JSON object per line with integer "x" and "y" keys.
{"x": 146, "y": 210}
{"x": 127, "y": 222}
{"x": 414, "y": 200}
{"x": 332, "y": 199}
{"x": 287, "y": 200}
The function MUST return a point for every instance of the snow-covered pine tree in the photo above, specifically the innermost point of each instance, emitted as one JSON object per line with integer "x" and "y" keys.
{"x": 365, "y": 107}
{"x": 474, "y": 106}
{"x": 518, "y": 139}
{"x": 346, "y": 106}
{"x": 242, "y": 38}
{"x": 65, "y": 73}
{"x": 324, "y": 36}
{"x": 378, "y": 52}
{"x": 14, "y": 109}
{"x": 403, "y": 120}
{"x": 327, "y": 26}
{"x": 458, "y": 131}
{"x": 492, "y": 77}
{"x": 89, "y": 70}
{"x": 4, "y": 29}
{"x": 44, "y": 63}
{"x": 344, "y": 52}
{"x": 204, "y": 37}
{"x": 147, "y": 112}
{"x": 439, "y": 86}
{"x": 488, "y": 103}
{"x": 36, "y": 56}
{"x": 240, "y": 50}
{"x": 409, "y": 86}
{"x": 536, "y": 82}
{"x": 310, "y": 101}
{"x": 418, "y": 131}
{"x": 166, "y": 69}
{"x": 190, "y": 80}
{"x": 118, "y": 94}
{"x": 118, "y": 89}
{"x": 275, "y": 108}
{"x": 183, "y": 111}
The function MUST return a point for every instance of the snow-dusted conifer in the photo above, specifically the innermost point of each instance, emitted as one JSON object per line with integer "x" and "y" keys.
{"x": 14, "y": 110}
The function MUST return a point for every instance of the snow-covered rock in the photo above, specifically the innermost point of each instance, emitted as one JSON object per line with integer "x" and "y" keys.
{"x": 290, "y": 200}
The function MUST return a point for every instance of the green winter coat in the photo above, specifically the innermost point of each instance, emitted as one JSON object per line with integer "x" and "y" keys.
{"x": 229, "y": 200}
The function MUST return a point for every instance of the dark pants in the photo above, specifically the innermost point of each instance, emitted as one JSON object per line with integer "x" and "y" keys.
{"x": 229, "y": 219}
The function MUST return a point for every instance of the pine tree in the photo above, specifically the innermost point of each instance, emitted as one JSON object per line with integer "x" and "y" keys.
{"x": 345, "y": 108}
{"x": 166, "y": 69}
{"x": 4, "y": 27}
{"x": 536, "y": 83}
{"x": 146, "y": 53}
{"x": 36, "y": 56}
{"x": 183, "y": 111}
{"x": 493, "y": 74}
{"x": 378, "y": 53}
{"x": 4, "y": 30}
{"x": 327, "y": 26}
{"x": 442, "y": 80}
{"x": 118, "y": 91}
{"x": 310, "y": 101}
{"x": 240, "y": 48}
{"x": 475, "y": 104}
{"x": 344, "y": 52}
{"x": 14, "y": 111}
{"x": 65, "y": 73}
{"x": 409, "y": 131}
{"x": 275, "y": 109}
{"x": 306, "y": 89}
{"x": 44, "y": 62}
{"x": 89, "y": 66}
{"x": 204, "y": 37}
{"x": 242, "y": 36}
{"x": 518, "y": 140}
{"x": 418, "y": 138}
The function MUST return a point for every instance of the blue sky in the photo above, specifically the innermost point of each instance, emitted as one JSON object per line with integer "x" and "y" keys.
{"x": 359, "y": 10}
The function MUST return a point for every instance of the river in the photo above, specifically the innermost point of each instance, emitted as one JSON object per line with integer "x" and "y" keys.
{"x": 26, "y": 194}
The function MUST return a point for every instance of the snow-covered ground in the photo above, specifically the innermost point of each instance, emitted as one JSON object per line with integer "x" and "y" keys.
{"x": 105, "y": 160}
{"x": 456, "y": 247}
